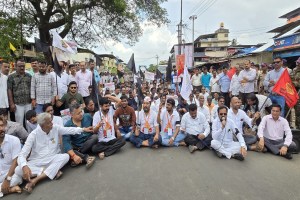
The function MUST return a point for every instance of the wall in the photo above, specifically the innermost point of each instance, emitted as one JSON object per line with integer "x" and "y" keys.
{"x": 266, "y": 57}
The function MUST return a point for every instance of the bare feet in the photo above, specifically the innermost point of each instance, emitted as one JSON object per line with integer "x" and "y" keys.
{"x": 58, "y": 175}
{"x": 182, "y": 144}
{"x": 155, "y": 146}
{"x": 101, "y": 155}
{"x": 15, "y": 189}
{"x": 29, "y": 187}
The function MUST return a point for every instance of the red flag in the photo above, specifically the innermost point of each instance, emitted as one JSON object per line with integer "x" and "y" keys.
{"x": 180, "y": 59}
{"x": 285, "y": 88}
{"x": 231, "y": 72}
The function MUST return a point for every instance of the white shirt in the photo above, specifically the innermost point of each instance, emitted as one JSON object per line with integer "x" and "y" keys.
{"x": 225, "y": 136}
{"x": 11, "y": 147}
{"x": 251, "y": 76}
{"x": 84, "y": 80}
{"x": 196, "y": 80}
{"x": 235, "y": 85}
{"x": 58, "y": 121}
{"x": 261, "y": 105}
{"x": 152, "y": 120}
{"x": 42, "y": 147}
{"x": 205, "y": 111}
{"x": 195, "y": 101}
{"x": 105, "y": 134}
{"x": 174, "y": 120}
{"x": 3, "y": 91}
{"x": 213, "y": 83}
{"x": 195, "y": 126}
{"x": 71, "y": 78}
{"x": 62, "y": 83}
{"x": 239, "y": 119}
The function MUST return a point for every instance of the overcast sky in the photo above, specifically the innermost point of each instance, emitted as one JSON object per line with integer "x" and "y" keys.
{"x": 247, "y": 21}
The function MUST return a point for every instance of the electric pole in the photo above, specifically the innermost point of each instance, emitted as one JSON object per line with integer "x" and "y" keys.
{"x": 157, "y": 60}
{"x": 180, "y": 30}
{"x": 193, "y": 17}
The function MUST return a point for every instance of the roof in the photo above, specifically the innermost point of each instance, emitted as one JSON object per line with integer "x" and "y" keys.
{"x": 212, "y": 35}
{"x": 285, "y": 27}
{"x": 291, "y": 14}
{"x": 267, "y": 47}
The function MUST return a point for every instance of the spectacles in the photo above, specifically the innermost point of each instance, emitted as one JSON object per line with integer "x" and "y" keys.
{"x": 1, "y": 154}
{"x": 276, "y": 62}
{"x": 73, "y": 87}
{"x": 223, "y": 114}
{"x": 21, "y": 65}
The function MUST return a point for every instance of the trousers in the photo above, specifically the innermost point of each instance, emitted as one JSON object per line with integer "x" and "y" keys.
{"x": 194, "y": 140}
{"x": 110, "y": 147}
{"x": 165, "y": 139}
{"x": 138, "y": 140}
{"x": 228, "y": 149}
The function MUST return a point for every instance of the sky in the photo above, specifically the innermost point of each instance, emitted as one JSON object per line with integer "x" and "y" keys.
{"x": 247, "y": 21}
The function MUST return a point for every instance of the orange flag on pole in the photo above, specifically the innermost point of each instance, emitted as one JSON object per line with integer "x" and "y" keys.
{"x": 180, "y": 61}
{"x": 285, "y": 88}
{"x": 231, "y": 72}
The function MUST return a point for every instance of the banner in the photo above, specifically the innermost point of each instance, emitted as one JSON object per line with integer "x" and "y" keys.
{"x": 187, "y": 50}
{"x": 110, "y": 86}
{"x": 180, "y": 61}
{"x": 187, "y": 87}
{"x": 176, "y": 79}
{"x": 149, "y": 76}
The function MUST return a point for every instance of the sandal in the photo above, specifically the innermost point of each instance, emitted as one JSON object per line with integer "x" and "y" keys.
{"x": 29, "y": 189}
{"x": 90, "y": 161}
{"x": 101, "y": 155}
{"x": 58, "y": 175}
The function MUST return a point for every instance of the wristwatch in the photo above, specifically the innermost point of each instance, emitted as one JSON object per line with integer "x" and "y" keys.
{"x": 8, "y": 178}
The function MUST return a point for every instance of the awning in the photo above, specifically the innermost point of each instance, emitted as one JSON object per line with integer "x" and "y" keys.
{"x": 266, "y": 47}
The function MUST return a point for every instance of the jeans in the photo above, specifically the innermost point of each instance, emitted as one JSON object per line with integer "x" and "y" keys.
{"x": 39, "y": 108}
{"x": 138, "y": 140}
{"x": 125, "y": 132}
{"x": 166, "y": 138}
{"x": 278, "y": 100}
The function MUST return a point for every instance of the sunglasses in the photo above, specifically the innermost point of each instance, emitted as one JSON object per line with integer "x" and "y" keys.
{"x": 276, "y": 62}
{"x": 223, "y": 114}
{"x": 73, "y": 87}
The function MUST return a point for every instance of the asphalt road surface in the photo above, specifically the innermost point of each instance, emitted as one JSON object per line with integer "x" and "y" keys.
{"x": 174, "y": 173}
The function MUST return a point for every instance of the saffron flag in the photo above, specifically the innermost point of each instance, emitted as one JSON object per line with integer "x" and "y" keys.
{"x": 187, "y": 87}
{"x": 285, "y": 88}
{"x": 231, "y": 72}
{"x": 180, "y": 59}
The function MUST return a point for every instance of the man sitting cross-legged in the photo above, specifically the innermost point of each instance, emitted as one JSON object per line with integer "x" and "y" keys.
{"x": 275, "y": 134}
{"x": 40, "y": 157}
{"x": 10, "y": 147}
{"x": 224, "y": 131}
{"x": 77, "y": 146}
{"x": 195, "y": 125}
{"x": 147, "y": 131}
{"x": 170, "y": 125}
{"x": 103, "y": 122}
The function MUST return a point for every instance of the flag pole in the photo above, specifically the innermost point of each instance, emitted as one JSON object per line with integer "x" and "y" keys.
{"x": 291, "y": 108}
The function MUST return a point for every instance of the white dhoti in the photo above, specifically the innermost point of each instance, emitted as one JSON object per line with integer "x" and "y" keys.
{"x": 49, "y": 166}
{"x": 228, "y": 149}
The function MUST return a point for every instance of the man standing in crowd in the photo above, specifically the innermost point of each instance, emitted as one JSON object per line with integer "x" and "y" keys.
{"x": 147, "y": 131}
{"x": 224, "y": 82}
{"x": 43, "y": 88}
{"x": 213, "y": 83}
{"x": 3, "y": 91}
{"x": 196, "y": 80}
{"x": 34, "y": 67}
{"x": 271, "y": 79}
{"x": 40, "y": 155}
{"x": 296, "y": 82}
{"x": 126, "y": 116}
{"x": 261, "y": 78}
{"x": 235, "y": 85}
{"x": 194, "y": 124}
{"x": 94, "y": 71}
{"x": 84, "y": 80}
{"x": 77, "y": 146}
{"x": 246, "y": 79}
{"x": 10, "y": 148}
{"x": 224, "y": 131}
{"x": 18, "y": 85}
{"x": 275, "y": 133}
{"x": 5, "y": 67}
{"x": 72, "y": 73}
{"x": 62, "y": 81}
{"x": 108, "y": 143}
{"x": 72, "y": 93}
{"x": 205, "y": 79}
{"x": 203, "y": 108}
{"x": 169, "y": 120}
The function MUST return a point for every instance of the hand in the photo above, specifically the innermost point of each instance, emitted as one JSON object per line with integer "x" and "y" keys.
{"x": 271, "y": 83}
{"x": 283, "y": 151}
{"x": 261, "y": 144}
{"x": 33, "y": 103}
{"x": 257, "y": 115}
{"x": 155, "y": 139}
{"x": 53, "y": 101}
{"x": 223, "y": 123}
{"x": 243, "y": 151}
{"x": 77, "y": 159}
{"x": 26, "y": 173}
{"x": 171, "y": 141}
{"x": 88, "y": 129}
{"x": 245, "y": 79}
{"x": 5, "y": 187}
{"x": 119, "y": 135}
{"x": 137, "y": 132}
{"x": 184, "y": 110}
{"x": 56, "y": 98}
{"x": 201, "y": 136}
{"x": 12, "y": 107}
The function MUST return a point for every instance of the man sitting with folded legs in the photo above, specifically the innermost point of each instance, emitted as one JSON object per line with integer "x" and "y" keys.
{"x": 103, "y": 122}
{"x": 224, "y": 131}
{"x": 77, "y": 146}
{"x": 147, "y": 131}
{"x": 275, "y": 134}
{"x": 195, "y": 125}
{"x": 170, "y": 125}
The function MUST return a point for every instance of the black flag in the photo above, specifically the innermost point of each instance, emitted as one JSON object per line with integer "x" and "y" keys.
{"x": 131, "y": 64}
{"x": 56, "y": 66}
{"x": 169, "y": 71}
{"x": 159, "y": 75}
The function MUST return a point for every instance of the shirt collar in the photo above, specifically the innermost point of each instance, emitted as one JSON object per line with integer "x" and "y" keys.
{"x": 270, "y": 117}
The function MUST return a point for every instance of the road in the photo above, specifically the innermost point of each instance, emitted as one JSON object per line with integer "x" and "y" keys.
{"x": 174, "y": 173}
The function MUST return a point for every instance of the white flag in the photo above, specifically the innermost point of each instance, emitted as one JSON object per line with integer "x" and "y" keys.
{"x": 58, "y": 42}
{"x": 186, "y": 88}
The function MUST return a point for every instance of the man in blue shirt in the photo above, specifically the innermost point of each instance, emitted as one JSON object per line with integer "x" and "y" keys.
{"x": 205, "y": 79}
{"x": 94, "y": 71}
{"x": 224, "y": 82}
{"x": 77, "y": 146}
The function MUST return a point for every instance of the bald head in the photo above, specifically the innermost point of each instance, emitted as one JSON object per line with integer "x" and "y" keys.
{"x": 235, "y": 103}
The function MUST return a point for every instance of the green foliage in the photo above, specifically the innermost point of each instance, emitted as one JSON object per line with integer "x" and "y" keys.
{"x": 152, "y": 68}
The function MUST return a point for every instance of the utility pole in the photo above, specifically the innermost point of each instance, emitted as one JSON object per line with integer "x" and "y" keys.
{"x": 21, "y": 26}
{"x": 180, "y": 30}
{"x": 193, "y": 17}
{"x": 157, "y": 60}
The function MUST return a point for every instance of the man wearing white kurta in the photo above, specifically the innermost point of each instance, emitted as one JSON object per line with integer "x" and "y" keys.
{"x": 223, "y": 132}
{"x": 43, "y": 146}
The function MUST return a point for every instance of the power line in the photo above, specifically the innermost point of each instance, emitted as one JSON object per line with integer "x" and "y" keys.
{"x": 208, "y": 6}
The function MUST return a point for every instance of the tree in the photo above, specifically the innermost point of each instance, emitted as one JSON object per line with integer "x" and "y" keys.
{"x": 152, "y": 68}
{"x": 87, "y": 22}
